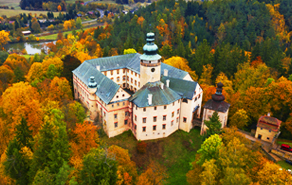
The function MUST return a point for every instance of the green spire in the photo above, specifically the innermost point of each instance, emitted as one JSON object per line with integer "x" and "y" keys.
{"x": 150, "y": 48}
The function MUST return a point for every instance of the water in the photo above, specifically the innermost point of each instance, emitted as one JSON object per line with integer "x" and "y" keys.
{"x": 30, "y": 47}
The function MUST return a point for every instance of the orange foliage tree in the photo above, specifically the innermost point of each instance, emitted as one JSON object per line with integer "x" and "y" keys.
{"x": 155, "y": 174}
{"x": 85, "y": 138}
{"x": 127, "y": 172}
{"x": 60, "y": 89}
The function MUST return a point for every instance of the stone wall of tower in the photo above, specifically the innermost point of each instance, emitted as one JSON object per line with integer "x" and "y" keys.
{"x": 150, "y": 71}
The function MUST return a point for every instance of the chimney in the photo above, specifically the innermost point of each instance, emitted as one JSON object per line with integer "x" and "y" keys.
{"x": 161, "y": 85}
{"x": 268, "y": 114}
{"x": 165, "y": 72}
{"x": 98, "y": 68}
{"x": 150, "y": 99}
{"x": 167, "y": 82}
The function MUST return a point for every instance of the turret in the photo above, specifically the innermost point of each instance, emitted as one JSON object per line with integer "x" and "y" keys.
{"x": 92, "y": 85}
{"x": 150, "y": 65}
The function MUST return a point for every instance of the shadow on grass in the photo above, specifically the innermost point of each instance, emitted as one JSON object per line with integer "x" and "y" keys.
{"x": 175, "y": 152}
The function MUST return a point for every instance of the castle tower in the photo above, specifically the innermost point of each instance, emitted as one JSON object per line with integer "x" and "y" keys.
{"x": 150, "y": 65}
{"x": 92, "y": 88}
{"x": 217, "y": 104}
{"x": 92, "y": 85}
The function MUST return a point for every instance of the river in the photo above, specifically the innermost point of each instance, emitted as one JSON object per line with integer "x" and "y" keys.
{"x": 30, "y": 47}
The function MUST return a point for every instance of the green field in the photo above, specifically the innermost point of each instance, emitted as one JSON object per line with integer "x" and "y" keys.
{"x": 279, "y": 142}
{"x": 26, "y": 56}
{"x": 175, "y": 152}
{"x": 54, "y": 36}
{"x": 10, "y": 13}
{"x": 285, "y": 165}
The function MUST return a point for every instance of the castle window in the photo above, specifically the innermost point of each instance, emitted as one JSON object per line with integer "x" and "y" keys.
{"x": 124, "y": 78}
{"x": 144, "y": 120}
{"x": 268, "y": 138}
{"x": 127, "y": 78}
{"x": 105, "y": 73}
{"x": 172, "y": 114}
{"x": 104, "y": 114}
{"x": 138, "y": 84}
{"x": 178, "y": 101}
{"x": 118, "y": 71}
{"x": 163, "y": 126}
{"x": 124, "y": 85}
{"x": 154, "y": 127}
{"x": 177, "y": 119}
{"x": 131, "y": 72}
{"x": 164, "y": 117}
{"x": 144, "y": 109}
{"x": 196, "y": 99}
{"x": 164, "y": 106}
{"x": 117, "y": 96}
{"x": 135, "y": 74}
{"x": 126, "y": 113}
{"x": 135, "y": 82}
{"x": 154, "y": 118}
{"x": 126, "y": 122}
{"x": 112, "y": 78}
{"x": 123, "y": 103}
{"x": 116, "y": 124}
{"x": 152, "y": 70}
{"x": 172, "y": 123}
{"x": 135, "y": 118}
{"x": 155, "y": 108}
{"x": 123, "y": 95}
{"x": 135, "y": 127}
{"x": 144, "y": 129}
{"x": 118, "y": 104}
{"x": 118, "y": 79}
{"x": 185, "y": 100}
{"x": 112, "y": 72}
{"x": 173, "y": 104}
{"x": 124, "y": 70}
{"x": 199, "y": 95}
{"x": 177, "y": 111}
{"x": 131, "y": 80}
{"x": 269, "y": 130}
{"x": 115, "y": 116}
{"x": 185, "y": 120}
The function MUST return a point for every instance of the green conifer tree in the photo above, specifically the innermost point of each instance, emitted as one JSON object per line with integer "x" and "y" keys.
{"x": 214, "y": 125}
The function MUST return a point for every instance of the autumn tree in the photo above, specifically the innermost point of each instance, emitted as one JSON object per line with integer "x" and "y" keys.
{"x": 127, "y": 172}
{"x": 206, "y": 75}
{"x": 275, "y": 175}
{"x": 60, "y": 89}
{"x": 84, "y": 138}
{"x": 129, "y": 51}
{"x": 182, "y": 64}
{"x": 239, "y": 119}
{"x": 210, "y": 149}
{"x": 209, "y": 173}
{"x": 14, "y": 61}
{"x": 21, "y": 100}
{"x": 154, "y": 174}
{"x": 4, "y": 38}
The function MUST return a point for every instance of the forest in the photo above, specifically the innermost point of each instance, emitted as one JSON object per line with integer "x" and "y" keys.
{"x": 245, "y": 44}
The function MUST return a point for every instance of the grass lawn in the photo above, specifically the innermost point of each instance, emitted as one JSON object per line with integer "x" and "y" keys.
{"x": 285, "y": 165}
{"x": 10, "y": 13}
{"x": 279, "y": 142}
{"x": 26, "y": 56}
{"x": 175, "y": 152}
{"x": 54, "y": 36}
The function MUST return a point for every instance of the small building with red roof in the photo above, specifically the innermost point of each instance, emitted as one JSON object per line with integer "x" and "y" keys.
{"x": 267, "y": 128}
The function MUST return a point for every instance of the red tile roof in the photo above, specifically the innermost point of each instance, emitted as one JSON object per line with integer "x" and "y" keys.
{"x": 269, "y": 123}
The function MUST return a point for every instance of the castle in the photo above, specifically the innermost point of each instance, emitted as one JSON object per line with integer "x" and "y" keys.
{"x": 138, "y": 92}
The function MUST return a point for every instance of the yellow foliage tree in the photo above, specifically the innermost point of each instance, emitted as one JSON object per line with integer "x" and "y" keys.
{"x": 4, "y": 38}
{"x": 67, "y": 25}
{"x": 206, "y": 75}
{"x": 98, "y": 51}
{"x": 155, "y": 174}
{"x": 129, "y": 51}
{"x": 182, "y": 64}
{"x": 22, "y": 100}
{"x": 60, "y": 89}
{"x": 239, "y": 119}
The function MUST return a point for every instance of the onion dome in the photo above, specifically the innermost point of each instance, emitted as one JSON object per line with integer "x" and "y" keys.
{"x": 218, "y": 96}
{"x": 92, "y": 83}
{"x": 150, "y": 49}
